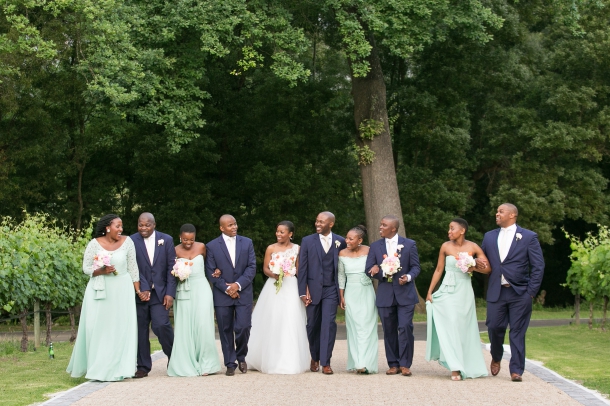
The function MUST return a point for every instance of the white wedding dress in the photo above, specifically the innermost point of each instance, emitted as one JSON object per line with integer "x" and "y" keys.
{"x": 278, "y": 338}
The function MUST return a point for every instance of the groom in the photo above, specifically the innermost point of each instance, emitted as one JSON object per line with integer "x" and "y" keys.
{"x": 319, "y": 289}
{"x": 231, "y": 267}
{"x": 396, "y": 300}
{"x": 156, "y": 256}
{"x": 517, "y": 267}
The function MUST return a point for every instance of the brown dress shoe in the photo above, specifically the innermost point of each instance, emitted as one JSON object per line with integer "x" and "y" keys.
{"x": 405, "y": 371}
{"x": 495, "y": 367}
{"x": 230, "y": 371}
{"x": 243, "y": 367}
{"x": 314, "y": 366}
{"x": 516, "y": 377}
{"x": 140, "y": 374}
{"x": 392, "y": 371}
{"x": 327, "y": 370}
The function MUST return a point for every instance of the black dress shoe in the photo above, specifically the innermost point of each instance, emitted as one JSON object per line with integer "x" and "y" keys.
{"x": 243, "y": 367}
{"x": 140, "y": 374}
{"x": 230, "y": 372}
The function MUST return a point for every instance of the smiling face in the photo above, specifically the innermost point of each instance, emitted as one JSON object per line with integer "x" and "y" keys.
{"x": 505, "y": 216}
{"x": 116, "y": 229}
{"x": 352, "y": 240}
{"x": 455, "y": 231}
{"x": 324, "y": 223}
{"x": 228, "y": 225}
{"x": 283, "y": 234}
{"x": 187, "y": 239}
{"x": 387, "y": 228}
{"x": 146, "y": 225}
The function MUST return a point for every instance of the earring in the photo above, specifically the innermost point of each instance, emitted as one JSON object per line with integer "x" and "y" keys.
{"x": 107, "y": 230}
{"x": 290, "y": 238}
{"x": 181, "y": 240}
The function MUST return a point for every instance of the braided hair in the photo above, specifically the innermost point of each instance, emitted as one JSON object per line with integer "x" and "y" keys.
{"x": 102, "y": 224}
{"x": 360, "y": 230}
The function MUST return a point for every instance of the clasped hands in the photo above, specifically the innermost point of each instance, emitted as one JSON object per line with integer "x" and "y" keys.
{"x": 232, "y": 288}
{"x": 401, "y": 281}
{"x": 168, "y": 300}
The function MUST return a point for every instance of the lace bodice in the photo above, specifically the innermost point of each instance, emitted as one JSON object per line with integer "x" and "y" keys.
{"x": 123, "y": 258}
{"x": 352, "y": 270}
{"x": 288, "y": 256}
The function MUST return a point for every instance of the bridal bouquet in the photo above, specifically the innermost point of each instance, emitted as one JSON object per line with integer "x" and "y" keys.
{"x": 464, "y": 261}
{"x": 100, "y": 260}
{"x": 182, "y": 270}
{"x": 282, "y": 267}
{"x": 390, "y": 265}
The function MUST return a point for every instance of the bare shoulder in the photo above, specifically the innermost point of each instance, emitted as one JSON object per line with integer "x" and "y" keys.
{"x": 365, "y": 249}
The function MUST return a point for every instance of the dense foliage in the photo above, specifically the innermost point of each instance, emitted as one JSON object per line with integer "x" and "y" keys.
{"x": 193, "y": 109}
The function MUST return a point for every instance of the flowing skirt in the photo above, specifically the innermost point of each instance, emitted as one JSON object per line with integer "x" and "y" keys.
{"x": 361, "y": 325}
{"x": 278, "y": 339}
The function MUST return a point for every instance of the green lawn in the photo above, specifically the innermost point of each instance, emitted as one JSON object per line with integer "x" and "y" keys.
{"x": 574, "y": 352}
{"x": 26, "y": 378}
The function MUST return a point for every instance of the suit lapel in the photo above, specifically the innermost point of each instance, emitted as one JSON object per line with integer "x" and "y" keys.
{"x": 513, "y": 244}
{"x": 157, "y": 249}
{"x": 142, "y": 247}
{"x": 237, "y": 249}
{"x": 333, "y": 246}
{"x": 319, "y": 247}
{"x": 494, "y": 246}
{"x": 401, "y": 241}
{"x": 223, "y": 247}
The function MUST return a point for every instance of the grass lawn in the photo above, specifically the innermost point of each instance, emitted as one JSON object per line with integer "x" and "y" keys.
{"x": 25, "y": 378}
{"x": 574, "y": 352}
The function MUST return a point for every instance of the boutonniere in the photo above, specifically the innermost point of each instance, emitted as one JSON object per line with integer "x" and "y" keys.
{"x": 337, "y": 243}
{"x": 161, "y": 242}
{"x": 399, "y": 247}
{"x": 518, "y": 236}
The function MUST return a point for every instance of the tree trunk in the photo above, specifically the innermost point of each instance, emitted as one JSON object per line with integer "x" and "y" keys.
{"x": 79, "y": 216}
{"x": 590, "y": 314}
{"x": 72, "y": 324}
{"x": 605, "y": 312}
{"x": 577, "y": 309}
{"x": 379, "y": 183}
{"x": 23, "y": 318}
{"x": 47, "y": 309}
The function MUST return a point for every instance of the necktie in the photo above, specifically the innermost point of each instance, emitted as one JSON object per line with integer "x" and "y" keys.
{"x": 326, "y": 243}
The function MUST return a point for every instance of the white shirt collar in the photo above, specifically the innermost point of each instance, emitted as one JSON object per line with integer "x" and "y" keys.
{"x": 323, "y": 237}
{"x": 151, "y": 237}
{"x": 394, "y": 239}
{"x": 512, "y": 227}
{"x": 227, "y": 238}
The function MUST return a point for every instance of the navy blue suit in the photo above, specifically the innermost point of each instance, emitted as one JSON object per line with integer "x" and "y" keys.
{"x": 523, "y": 269}
{"x": 157, "y": 274}
{"x": 318, "y": 270}
{"x": 396, "y": 303}
{"x": 234, "y": 316}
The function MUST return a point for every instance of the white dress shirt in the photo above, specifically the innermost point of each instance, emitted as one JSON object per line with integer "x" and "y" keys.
{"x": 391, "y": 246}
{"x": 150, "y": 246}
{"x": 327, "y": 241}
{"x": 230, "y": 243}
{"x": 505, "y": 239}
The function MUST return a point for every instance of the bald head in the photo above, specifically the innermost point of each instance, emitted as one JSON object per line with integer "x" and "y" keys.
{"x": 506, "y": 215}
{"x": 393, "y": 220}
{"x": 228, "y": 225}
{"x": 147, "y": 217}
{"x": 325, "y": 222}
{"x": 146, "y": 224}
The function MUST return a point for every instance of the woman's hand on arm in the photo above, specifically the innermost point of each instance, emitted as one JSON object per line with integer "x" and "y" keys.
{"x": 481, "y": 260}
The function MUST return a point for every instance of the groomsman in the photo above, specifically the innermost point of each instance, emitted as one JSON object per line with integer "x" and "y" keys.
{"x": 319, "y": 289}
{"x": 156, "y": 256}
{"x": 396, "y": 300}
{"x": 231, "y": 267}
{"x": 517, "y": 267}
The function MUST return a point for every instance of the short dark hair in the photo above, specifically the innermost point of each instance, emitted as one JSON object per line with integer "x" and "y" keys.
{"x": 288, "y": 224}
{"x": 360, "y": 230}
{"x": 188, "y": 228}
{"x": 100, "y": 227}
{"x": 461, "y": 222}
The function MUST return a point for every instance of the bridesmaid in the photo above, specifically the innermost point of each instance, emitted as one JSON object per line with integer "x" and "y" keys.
{"x": 453, "y": 331}
{"x": 107, "y": 342}
{"x": 194, "y": 352}
{"x": 358, "y": 301}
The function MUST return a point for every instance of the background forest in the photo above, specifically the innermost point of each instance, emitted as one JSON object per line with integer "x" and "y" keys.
{"x": 193, "y": 109}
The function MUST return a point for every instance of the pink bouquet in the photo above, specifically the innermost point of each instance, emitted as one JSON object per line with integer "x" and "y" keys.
{"x": 100, "y": 260}
{"x": 390, "y": 265}
{"x": 465, "y": 261}
{"x": 182, "y": 270}
{"x": 282, "y": 266}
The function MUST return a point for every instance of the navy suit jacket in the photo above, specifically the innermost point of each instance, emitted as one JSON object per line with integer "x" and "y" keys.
{"x": 409, "y": 263}
{"x": 243, "y": 272}
{"x": 310, "y": 265}
{"x": 523, "y": 266}
{"x": 159, "y": 272}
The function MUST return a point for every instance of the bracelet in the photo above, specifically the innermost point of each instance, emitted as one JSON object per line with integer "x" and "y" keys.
{"x": 138, "y": 292}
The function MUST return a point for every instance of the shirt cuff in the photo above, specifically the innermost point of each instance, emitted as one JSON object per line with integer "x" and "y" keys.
{"x": 408, "y": 278}
{"x": 239, "y": 286}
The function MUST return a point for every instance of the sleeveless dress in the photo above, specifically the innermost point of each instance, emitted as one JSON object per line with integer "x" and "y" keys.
{"x": 278, "y": 339}
{"x": 107, "y": 343}
{"x": 194, "y": 352}
{"x": 453, "y": 331}
{"x": 360, "y": 314}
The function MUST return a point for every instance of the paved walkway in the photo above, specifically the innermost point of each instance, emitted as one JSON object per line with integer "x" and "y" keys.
{"x": 429, "y": 385}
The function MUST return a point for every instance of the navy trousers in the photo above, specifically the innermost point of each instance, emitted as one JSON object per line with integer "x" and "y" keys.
{"x": 398, "y": 338}
{"x": 516, "y": 310}
{"x": 153, "y": 312}
{"x": 322, "y": 327}
{"x": 234, "y": 324}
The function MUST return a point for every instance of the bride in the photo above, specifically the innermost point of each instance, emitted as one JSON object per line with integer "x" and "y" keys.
{"x": 278, "y": 339}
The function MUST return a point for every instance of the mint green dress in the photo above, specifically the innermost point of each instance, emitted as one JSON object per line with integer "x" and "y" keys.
{"x": 360, "y": 314}
{"x": 194, "y": 352}
{"x": 107, "y": 342}
{"x": 453, "y": 331}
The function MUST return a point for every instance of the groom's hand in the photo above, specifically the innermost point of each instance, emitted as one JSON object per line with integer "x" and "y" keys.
{"x": 232, "y": 289}
{"x": 374, "y": 270}
{"x": 168, "y": 301}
